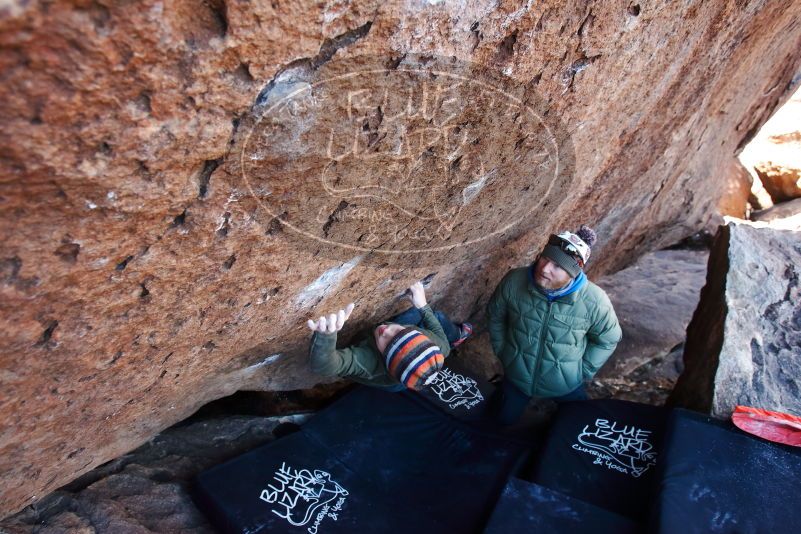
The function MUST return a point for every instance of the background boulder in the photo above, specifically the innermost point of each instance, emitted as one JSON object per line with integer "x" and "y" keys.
{"x": 784, "y": 216}
{"x": 774, "y": 156}
{"x": 743, "y": 341}
{"x": 739, "y": 190}
{"x": 654, "y": 300}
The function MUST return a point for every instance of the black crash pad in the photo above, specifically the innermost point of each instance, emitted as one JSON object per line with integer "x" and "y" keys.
{"x": 603, "y": 452}
{"x": 292, "y": 481}
{"x": 371, "y": 462}
{"x": 716, "y": 478}
{"x": 528, "y": 507}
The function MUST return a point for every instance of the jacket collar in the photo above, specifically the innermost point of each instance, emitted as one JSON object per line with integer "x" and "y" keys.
{"x": 570, "y": 298}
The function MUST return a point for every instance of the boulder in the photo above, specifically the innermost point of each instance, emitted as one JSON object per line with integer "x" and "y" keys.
{"x": 744, "y": 340}
{"x": 654, "y": 300}
{"x": 780, "y": 172}
{"x": 784, "y": 216}
{"x": 738, "y": 192}
{"x": 186, "y": 182}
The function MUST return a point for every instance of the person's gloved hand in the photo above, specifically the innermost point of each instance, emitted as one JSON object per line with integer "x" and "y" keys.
{"x": 332, "y": 323}
{"x": 418, "y": 294}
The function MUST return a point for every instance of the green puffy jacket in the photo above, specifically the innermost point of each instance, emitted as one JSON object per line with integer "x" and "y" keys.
{"x": 548, "y": 348}
{"x": 363, "y": 362}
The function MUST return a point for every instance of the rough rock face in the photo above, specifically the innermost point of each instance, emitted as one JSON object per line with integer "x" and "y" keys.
{"x": 781, "y": 174}
{"x": 165, "y": 219}
{"x": 654, "y": 300}
{"x": 743, "y": 341}
{"x": 147, "y": 490}
{"x": 775, "y": 153}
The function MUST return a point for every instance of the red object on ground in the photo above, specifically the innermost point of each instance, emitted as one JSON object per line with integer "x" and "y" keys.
{"x": 773, "y": 426}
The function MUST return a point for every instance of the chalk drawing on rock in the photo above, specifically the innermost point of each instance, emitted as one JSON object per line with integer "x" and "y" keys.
{"x": 406, "y": 160}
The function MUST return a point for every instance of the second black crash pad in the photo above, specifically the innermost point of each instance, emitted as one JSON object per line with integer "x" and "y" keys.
{"x": 716, "y": 478}
{"x": 527, "y": 507}
{"x": 372, "y": 461}
{"x": 603, "y": 452}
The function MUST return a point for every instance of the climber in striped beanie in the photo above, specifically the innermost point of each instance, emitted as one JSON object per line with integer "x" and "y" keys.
{"x": 405, "y": 352}
{"x": 412, "y": 358}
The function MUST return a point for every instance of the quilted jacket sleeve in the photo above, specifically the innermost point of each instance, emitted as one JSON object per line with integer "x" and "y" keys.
{"x": 602, "y": 338}
{"x": 496, "y": 317}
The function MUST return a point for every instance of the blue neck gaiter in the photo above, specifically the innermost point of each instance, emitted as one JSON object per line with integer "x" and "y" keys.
{"x": 553, "y": 294}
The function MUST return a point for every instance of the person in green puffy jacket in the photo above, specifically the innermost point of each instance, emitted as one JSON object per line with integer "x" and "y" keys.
{"x": 550, "y": 327}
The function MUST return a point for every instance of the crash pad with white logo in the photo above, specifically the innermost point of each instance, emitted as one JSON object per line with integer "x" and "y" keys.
{"x": 373, "y": 461}
{"x": 603, "y": 452}
{"x": 458, "y": 392}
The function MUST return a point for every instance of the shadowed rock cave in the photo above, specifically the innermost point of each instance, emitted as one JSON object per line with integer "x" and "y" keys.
{"x": 187, "y": 183}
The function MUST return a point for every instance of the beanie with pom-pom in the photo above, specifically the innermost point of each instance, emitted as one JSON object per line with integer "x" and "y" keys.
{"x": 571, "y": 251}
{"x": 587, "y": 235}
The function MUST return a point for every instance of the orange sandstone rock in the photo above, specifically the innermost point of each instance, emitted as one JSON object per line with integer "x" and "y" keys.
{"x": 141, "y": 277}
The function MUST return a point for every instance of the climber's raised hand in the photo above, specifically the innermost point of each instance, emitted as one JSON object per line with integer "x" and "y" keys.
{"x": 333, "y": 322}
{"x": 417, "y": 294}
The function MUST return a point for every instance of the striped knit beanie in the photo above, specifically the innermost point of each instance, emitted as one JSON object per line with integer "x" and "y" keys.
{"x": 412, "y": 358}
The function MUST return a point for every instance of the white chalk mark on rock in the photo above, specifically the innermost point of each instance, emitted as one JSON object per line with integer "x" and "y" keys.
{"x": 327, "y": 281}
{"x": 266, "y": 361}
{"x": 472, "y": 189}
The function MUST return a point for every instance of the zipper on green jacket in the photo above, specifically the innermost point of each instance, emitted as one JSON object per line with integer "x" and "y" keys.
{"x": 541, "y": 348}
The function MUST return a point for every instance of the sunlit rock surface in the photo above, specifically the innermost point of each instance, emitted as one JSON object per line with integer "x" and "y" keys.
{"x": 738, "y": 190}
{"x": 775, "y": 154}
{"x": 141, "y": 274}
{"x": 784, "y": 216}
